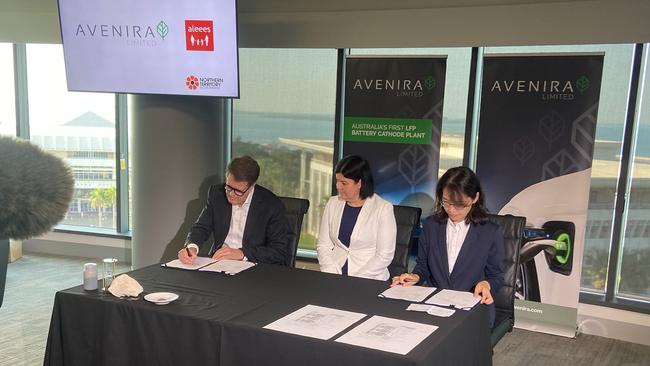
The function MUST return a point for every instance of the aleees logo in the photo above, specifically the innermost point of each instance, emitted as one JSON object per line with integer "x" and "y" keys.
{"x": 199, "y": 35}
{"x": 192, "y": 82}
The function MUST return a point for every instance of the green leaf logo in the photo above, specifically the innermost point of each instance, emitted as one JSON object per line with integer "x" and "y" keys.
{"x": 429, "y": 83}
{"x": 162, "y": 29}
{"x": 582, "y": 84}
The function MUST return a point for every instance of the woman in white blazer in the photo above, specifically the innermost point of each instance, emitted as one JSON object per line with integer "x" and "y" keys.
{"x": 358, "y": 229}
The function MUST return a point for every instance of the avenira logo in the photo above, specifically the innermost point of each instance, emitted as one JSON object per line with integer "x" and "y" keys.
{"x": 199, "y": 35}
{"x": 548, "y": 89}
{"x": 383, "y": 84}
{"x": 532, "y": 86}
{"x": 115, "y": 31}
{"x": 397, "y": 87}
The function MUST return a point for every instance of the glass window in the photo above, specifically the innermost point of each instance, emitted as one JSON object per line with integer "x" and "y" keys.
{"x": 634, "y": 271}
{"x": 454, "y": 107}
{"x": 78, "y": 127}
{"x": 285, "y": 120}
{"x": 7, "y": 92}
{"x": 607, "y": 153}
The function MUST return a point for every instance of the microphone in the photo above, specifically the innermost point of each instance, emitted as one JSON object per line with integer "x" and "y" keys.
{"x": 35, "y": 189}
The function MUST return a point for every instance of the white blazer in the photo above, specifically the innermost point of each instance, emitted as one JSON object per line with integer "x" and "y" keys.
{"x": 372, "y": 244}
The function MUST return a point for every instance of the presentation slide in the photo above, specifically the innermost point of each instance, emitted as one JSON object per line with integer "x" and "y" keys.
{"x": 153, "y": 47}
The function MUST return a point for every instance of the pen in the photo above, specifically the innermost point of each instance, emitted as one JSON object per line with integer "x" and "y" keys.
{"x": 188, "y": 251}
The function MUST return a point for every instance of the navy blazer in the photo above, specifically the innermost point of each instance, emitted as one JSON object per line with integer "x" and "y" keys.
{"x": 266, "y": 235}
{"x": 480, "y": 258}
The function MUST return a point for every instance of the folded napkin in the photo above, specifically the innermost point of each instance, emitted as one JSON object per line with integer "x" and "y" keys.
{"x": 124, "y": 285}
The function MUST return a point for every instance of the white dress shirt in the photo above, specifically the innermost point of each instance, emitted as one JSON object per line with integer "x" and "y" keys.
{"x": 238, "y": 216}
{"x": 456, "y": 233}
{"x": 238, "y": 222}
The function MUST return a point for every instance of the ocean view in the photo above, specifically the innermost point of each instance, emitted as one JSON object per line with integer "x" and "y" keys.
{"x": 266, "y": 129}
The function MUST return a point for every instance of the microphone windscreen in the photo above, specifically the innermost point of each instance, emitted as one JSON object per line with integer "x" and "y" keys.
{"x": 35, "y": 189}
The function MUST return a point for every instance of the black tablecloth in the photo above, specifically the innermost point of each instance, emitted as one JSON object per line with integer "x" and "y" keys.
{"x": 218, "y": 320}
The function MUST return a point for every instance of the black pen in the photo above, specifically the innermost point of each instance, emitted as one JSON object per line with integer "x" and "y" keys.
{"x": 188, "y": 251}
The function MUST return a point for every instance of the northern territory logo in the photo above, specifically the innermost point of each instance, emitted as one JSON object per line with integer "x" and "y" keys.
{"x": 199, "y": 35}
{"x": 192, "y": 82}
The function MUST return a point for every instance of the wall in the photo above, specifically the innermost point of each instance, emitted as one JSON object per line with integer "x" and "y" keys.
{"x": 386, "y": 23}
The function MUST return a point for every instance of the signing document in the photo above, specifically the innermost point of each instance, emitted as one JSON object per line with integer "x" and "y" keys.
{"x": 228, "y": 266}
{"x": 458, "y": 299}
{"x": 408, "y": 293}
{"x": 387, "y": 334}
{"x": 198, "y": 263}
{"x": 316, "y": 322}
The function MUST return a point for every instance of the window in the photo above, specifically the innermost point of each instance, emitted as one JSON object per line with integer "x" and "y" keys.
{"x": 285, "y": 120}
{"x": 7, "y": 99}
{"x": 634, "y": 269}
{"x": 78, "y": 127}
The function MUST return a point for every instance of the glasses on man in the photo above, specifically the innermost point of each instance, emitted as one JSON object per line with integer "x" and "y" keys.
{"x": 455, "y": 205}
{"x": 237, "y": 192}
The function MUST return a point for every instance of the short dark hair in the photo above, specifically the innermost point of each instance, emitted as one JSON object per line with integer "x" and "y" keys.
{"x": 358, "y": 169}
{"x": 244, "y": 169}
{"x": 461, "y": 180}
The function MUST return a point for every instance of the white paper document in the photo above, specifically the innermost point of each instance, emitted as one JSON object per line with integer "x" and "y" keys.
{"x": 228, "y": 266}
{"x": 408, "y": 293}
{"x": 387, "y": 334}
{"x": 431, "y": 310}
{"x": 438, "y": 311}
{"x": 419, "y": 307}
{"x": 198, "y": 263}
{"x": 316, "y": 322}
{"x": 458, "y": 299}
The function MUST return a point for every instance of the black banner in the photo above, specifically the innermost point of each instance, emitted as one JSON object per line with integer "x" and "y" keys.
{"x": 393, "y": 118}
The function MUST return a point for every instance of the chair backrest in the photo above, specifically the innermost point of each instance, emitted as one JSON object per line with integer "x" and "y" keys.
{"x": 513, "y": 234}
{"x": 295, "y": 210}
{"x": 407, "y": 219}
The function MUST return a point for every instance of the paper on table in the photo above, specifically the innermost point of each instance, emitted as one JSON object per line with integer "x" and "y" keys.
{"x": 431, "y": 310}
{"x": 458, "y": 299}
{"x": 419, "y": 307}
{"x": 316, "y": 322}
{"x": 228, "y": 266}
{"x": 387, "y": 334}
{"x": 198, "y": 263}
{"x": 408, "y": 293}
{"x": 438, "y": 311}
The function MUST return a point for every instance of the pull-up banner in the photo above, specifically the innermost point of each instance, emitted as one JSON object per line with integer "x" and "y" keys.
{"x": 393, "y": 118}
{"x": 536, "y": 142}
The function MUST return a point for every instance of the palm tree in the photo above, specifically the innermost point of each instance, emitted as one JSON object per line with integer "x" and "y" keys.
{"x": 101, "y": 198}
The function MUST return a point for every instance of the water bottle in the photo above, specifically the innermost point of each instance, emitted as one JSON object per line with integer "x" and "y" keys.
{"x": 90, "y": 276}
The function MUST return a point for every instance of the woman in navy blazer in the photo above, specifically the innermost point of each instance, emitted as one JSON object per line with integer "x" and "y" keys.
{"x": 459, "y": 248}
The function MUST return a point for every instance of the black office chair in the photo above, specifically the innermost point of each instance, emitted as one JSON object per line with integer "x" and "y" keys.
{"x": 407, "y": 219}
{"x": 4, "y": 260}
{"x": 295, "y": 210}
{"x": 504, "y": 301}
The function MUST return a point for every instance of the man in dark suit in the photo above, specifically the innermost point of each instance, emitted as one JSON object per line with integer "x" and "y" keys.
{"x": 247, "y": 220}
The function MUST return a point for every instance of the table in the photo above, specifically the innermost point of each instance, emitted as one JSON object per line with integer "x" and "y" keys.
{"x": 218, "y": 320}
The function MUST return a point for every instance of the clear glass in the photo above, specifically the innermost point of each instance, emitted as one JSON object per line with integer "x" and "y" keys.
{"x": 78, "y": 127}
{"x": 108, "y": 272}
{"x": 285, "y": 120}
{"x": 607, "y": 153}
{"x": 454, "y": 108}
{"x": 634, "y": 269}
{"x": 7, "y": 91}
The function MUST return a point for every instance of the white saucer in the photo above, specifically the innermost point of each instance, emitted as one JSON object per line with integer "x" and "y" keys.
{"x": 161, "y": 298}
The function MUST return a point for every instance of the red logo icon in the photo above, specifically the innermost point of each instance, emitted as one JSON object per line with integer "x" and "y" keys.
{"x": 199, "y": 35}
{"x": 192, "y": 82}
